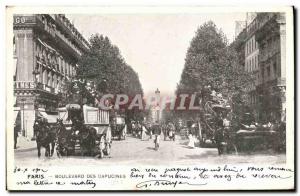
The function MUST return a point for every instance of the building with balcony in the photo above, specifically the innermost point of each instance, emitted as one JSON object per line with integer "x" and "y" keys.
{"x": 46, "y": 52}
{"x": 264, "y": 45}
{"x": 271, "y": 38}
{"x": 251, "y": 62}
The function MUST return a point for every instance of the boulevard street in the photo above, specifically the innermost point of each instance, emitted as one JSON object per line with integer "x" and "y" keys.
{"x": 134, "y": 151}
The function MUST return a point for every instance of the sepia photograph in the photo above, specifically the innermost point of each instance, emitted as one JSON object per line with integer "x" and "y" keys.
{"x": 150, "y": 98}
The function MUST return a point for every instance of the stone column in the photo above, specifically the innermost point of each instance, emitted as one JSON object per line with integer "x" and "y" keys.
{"x": 25, "y": 54}
{"x": 20, "y": 55}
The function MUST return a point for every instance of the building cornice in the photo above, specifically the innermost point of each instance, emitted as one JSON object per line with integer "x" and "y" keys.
{"x": 56, "y": 27}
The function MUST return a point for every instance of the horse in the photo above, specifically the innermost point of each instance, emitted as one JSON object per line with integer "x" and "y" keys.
{"x": 45, "y": 137}
{"x": 64, "y": 139}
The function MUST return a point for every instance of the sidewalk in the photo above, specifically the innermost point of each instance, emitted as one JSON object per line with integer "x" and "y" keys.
{"x": 25, "y": 144}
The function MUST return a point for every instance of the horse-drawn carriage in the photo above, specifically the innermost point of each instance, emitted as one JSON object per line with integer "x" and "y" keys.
{"x": 118, "y": 127}
{"x": 83, "y": 129}
{"x": 79, "y": 127}
{"x": 231, "y": 133}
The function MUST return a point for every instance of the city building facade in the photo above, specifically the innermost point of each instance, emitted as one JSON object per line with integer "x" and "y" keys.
{"x": 265, "y": 55}
{"x": 46, "y": 52}
{"x": 271, "y": 38}
{"x": 251, "y": 62}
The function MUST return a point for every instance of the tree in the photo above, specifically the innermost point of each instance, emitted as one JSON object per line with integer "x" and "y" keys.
{"x": 210, "y": 61}
{"x": 103, "y": 61}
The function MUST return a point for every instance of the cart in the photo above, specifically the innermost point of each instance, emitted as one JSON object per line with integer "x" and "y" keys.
{"x": 83, "y": 130}
{"x": 119, "y": 128}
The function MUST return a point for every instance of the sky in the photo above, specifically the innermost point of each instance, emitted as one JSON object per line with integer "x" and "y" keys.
{"x": 154, "y": 45}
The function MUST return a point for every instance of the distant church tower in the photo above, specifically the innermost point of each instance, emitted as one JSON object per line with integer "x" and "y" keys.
{"x": 155, "y": 110}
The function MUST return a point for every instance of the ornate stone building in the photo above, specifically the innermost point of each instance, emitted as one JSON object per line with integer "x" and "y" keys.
{"x": 46, "y": 51}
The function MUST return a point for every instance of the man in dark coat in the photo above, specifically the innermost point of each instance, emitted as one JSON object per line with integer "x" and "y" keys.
{"x": 157, "y": 132}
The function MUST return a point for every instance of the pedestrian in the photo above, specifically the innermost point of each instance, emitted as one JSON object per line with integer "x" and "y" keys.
{"x": 157, "y": 133}
{"x": 144, "y": 133}
{"x": 140, "y": 130}
{"x": 191, "y": 137}
{"x": 150, "y": 131}
{"x": 16, "y": 134}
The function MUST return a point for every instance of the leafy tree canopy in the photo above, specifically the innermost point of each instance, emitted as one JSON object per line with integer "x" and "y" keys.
{"x": 104, "y": 61}
{"x": 209, "y": 61}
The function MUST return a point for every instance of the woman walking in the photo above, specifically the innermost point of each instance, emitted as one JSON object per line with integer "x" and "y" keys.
{"x": 191, "y": 137}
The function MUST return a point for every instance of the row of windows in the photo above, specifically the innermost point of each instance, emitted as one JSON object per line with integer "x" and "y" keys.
{"x": 51, "y": 28}
{"x": 252, "y": 63}
{"x": 251, "y": 45}
{"x": 269, "y": 72}
{"x": 56, "y": 61}
{"x": 50, "y": 78}
{"x": 75, "y": 32}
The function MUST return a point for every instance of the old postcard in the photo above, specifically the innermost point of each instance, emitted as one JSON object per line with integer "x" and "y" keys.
{"x": 150, "y": 98}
